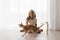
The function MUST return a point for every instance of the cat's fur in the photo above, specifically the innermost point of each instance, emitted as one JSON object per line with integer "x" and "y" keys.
{"x": 30, "y": 28}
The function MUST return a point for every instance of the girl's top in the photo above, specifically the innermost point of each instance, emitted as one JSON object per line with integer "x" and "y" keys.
{"x": 32, "y": 22}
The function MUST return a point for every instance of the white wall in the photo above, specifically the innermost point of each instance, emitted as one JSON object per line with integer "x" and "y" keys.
{"x": 58, "y": 16}
{"x": 55, "y": 14}
{"x": 51, "y": 15}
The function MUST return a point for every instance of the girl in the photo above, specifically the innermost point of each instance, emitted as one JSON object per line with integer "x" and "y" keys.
{"x": 31, "y": 22}
{"x": 31, "y": 19}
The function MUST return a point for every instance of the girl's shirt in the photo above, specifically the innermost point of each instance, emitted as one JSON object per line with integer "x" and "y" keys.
{"x": 32, "y": 22}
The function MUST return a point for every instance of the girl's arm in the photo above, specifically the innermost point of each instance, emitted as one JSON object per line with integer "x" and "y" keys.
{"x": 36, "y": 25}
{"x": 26, "y": 22}
{"x": 36, "y": 22}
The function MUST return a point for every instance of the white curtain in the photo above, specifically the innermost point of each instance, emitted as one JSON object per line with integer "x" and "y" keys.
{"x": 16, "y": 11}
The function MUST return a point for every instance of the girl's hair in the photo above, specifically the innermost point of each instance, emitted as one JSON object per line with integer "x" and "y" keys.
{"x": 33, "y": 13}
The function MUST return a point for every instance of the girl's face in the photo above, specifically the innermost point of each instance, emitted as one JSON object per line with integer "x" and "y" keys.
{"x": 31, "y": 14}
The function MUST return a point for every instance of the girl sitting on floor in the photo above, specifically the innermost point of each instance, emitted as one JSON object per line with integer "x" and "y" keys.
{"x": 31, "y": 20}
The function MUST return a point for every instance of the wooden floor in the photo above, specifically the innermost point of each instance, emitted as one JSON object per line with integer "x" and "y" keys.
{"x": 16, "y": 35}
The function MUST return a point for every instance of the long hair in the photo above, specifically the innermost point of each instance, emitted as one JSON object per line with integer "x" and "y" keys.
{"x": 34, "y": 15}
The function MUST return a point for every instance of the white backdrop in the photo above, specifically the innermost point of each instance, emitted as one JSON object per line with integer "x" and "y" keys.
{"x": 16, "y": 11}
